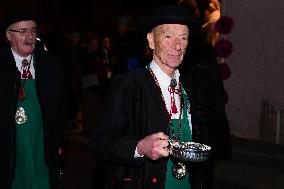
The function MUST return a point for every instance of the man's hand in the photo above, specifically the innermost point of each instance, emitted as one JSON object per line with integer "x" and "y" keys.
{"x": 154, "y": 146}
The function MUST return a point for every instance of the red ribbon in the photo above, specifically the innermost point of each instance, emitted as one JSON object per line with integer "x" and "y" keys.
{"x": 22, "y": 93}
{"x": 25, "y": 75}
{"x": 173, "y": 91}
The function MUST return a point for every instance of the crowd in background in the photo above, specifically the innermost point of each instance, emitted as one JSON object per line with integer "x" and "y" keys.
{"x": 90, "y": 60}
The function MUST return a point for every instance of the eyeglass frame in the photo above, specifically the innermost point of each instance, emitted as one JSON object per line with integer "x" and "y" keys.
{"x": 25, "y": 31}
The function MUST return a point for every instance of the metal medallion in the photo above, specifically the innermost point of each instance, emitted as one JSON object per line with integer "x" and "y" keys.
{"x": 173, "y": 83}
{"x": 179, "y": 170}
{"x": 25, "y": 62}
{"x": 21, "y": 116}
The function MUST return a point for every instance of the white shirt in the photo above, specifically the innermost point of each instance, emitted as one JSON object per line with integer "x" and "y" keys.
{"x": 164, "y": 82}
{"x": 19, "y": 59}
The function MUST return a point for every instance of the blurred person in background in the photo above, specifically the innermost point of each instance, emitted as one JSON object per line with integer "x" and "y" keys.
{"x": 127, "y": 46}
{"x": 90, "y": 62}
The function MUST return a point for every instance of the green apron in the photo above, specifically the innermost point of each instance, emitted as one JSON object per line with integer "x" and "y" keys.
{"x": 185, "y": 136}
{"x": 31, "y": 170}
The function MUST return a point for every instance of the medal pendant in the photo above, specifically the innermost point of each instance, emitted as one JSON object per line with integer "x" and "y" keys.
{"x": 173, "y": 83}
{"x": 179, "y": 170}
{"x": 21, "y": 116}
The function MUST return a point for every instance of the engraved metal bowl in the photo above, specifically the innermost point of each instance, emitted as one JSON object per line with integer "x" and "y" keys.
{"x": 189, "y": 151}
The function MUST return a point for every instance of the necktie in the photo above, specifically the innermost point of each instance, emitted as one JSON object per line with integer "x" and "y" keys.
{"x": 172, "y": 89}
{"x": 26, "y": 69}
{"x": 26, "y": 74}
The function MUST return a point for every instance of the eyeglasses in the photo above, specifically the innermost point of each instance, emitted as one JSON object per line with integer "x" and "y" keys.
{"x": 26, "y": 31}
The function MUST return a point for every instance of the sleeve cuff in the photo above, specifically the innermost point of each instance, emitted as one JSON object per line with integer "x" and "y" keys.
{"x": 136, "y": 154}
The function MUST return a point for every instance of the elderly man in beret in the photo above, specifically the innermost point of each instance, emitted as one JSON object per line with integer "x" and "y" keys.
{"x": 32, "y": 110}
{"x": 147, "y": 107}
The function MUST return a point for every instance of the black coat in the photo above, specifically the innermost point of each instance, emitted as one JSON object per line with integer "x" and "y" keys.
{"x": 134, "y": 109}
{"x": 50, "y": 93}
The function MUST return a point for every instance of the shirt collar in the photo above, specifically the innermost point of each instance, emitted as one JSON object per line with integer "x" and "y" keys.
{"x": 19, "y": 58}
{"x": 163, "y": 79}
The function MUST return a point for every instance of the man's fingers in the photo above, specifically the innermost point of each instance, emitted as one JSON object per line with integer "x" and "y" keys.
{"x": 154, "y": 146}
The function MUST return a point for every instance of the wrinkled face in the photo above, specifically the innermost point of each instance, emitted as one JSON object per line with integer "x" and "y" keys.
{"x": 169, "y": 43}
{"x": 22, "y": 37}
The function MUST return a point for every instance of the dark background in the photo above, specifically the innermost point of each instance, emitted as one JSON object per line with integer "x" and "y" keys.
{"x": 66, "y": 15}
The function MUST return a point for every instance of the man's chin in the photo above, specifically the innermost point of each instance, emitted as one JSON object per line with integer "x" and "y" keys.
{"x": 29, "y": 49}
{"x": 27, "y": 52}
{"x": 174, "y": 62}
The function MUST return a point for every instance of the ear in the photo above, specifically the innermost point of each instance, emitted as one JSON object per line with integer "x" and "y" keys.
{"x": 150, "y": 38}
{"x": 8, "y": 35}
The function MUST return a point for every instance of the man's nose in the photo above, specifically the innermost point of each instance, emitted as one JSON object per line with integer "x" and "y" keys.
{"x": 177, "y": 44}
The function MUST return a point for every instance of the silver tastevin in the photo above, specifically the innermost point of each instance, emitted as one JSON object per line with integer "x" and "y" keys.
{"x": 187, "y": 151}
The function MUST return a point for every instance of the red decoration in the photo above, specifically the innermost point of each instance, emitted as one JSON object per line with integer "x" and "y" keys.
{"x": 26, "y": 72}
{"x": 21, "y": 92}
{"x": 154, "y": 180}
{"x": 172, "y": 91}
{"x": 174, "y": 107}
{"x": 223, "y": 48}
{"x": 225, "y": 70}
{"x": 224, "y": 24}
{"x": 25, "y": 75}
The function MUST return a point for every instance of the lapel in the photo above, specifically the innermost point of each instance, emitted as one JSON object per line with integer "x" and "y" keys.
{"x": 158, "y": 114}
{"x": 9, "y": 71}
{"x": 8, "y": 58}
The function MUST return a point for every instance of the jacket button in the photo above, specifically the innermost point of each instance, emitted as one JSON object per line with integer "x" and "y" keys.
{"x": 154, "y": 180}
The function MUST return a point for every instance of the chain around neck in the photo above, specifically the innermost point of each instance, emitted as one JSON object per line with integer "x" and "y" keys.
{"x": 169, "y": 113}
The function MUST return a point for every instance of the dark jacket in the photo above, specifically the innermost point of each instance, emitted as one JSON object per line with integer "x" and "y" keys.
{"x": 49, "y": 91}
{"x": 134, "y": 109}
